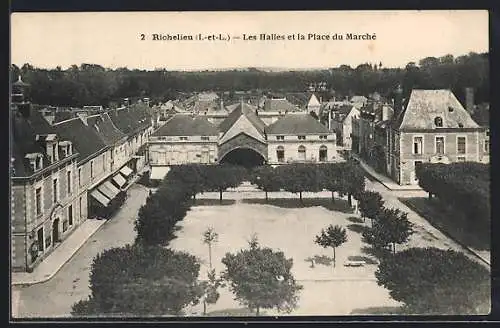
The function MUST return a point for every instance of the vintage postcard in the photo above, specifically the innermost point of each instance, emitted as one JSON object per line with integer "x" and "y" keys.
{"x": 250, "y": 164}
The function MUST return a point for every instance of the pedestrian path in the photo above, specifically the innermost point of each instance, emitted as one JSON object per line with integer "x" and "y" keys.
{"x": 386, "y": 181}
{"x": 62, "y": 254}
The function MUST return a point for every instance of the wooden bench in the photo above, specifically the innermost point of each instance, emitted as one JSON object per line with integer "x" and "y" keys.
{"x": 354, "y": 263}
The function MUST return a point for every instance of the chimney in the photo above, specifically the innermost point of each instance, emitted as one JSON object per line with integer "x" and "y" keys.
{"x": 469, "y": 100}
{"x": 398, "y": 100}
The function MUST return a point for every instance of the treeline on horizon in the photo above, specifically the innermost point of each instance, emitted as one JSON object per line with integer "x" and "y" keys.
{"x": 91, "y": 84}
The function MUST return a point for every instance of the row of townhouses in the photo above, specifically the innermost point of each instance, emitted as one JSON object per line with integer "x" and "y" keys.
{"x": 60, "y": 172}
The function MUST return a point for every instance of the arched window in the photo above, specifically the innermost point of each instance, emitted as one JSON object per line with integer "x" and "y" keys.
{"x": 302, "y": 153}
{"x": 280, "y": 154}
{"x": 438, "y": 121}
{"x": 323, "y": 153}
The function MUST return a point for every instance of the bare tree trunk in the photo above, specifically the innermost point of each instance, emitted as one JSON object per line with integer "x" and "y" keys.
{"x": 393, "y": 248}
{"x": 220, "y": 197}
{"x": 210, "y": 255}
{"x": 349, "y": 200}
{"x": 333, "y": 198}
{"x": 334, "y": 257}
{"x": 257, "y": 311}
{"x": 266, "y": 197}
{"x": 430, "y": 196}
{"x": 204, "y": 307}
{"x": 301, "y": 201}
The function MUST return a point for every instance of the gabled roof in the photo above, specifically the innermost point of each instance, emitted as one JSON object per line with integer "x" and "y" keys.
{"x": 313, "y": 101}
{"x": 84, "y": 138}
{"x": 105, "y": 128}
{"x": 425, "y": 105}
{"x": 297, "y": 124}
{"x": 279, "y": 105}
{"x": 342, "y": 112}
{"x": 243, "y": 109}
{"x": 187, "y": 125}
{"x": 24, "y": 132}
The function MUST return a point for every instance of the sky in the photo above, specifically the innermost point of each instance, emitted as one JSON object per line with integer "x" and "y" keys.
{"x": 112, "y": 40}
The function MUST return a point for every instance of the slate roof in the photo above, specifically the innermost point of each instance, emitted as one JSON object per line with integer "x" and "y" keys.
{"x": 105, "y": 128}
{"x": 130, "y": 120}
{"x": 297, "y": 124}
{"x": 85, "y": 139}
{"x": 187, "y": 125}
{"x": 63, "y": 116}
{"x": 279, "y": 105}
{"x": 342, "y": 112}
{"x": 23, "y": 137}
{"x": 243, "y": 109}
{"x": 424, "y": 106}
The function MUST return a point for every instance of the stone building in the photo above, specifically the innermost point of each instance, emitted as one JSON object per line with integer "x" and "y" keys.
{"x": 185, "y": 138}
{"x": 341, "y": 123}
{"x": 243, "y": 138}
{"x": 55, "y": 167}
{"x": 44, "y": 193}
{"x": 432, "y": 126}
{"x": 298, "y": 137}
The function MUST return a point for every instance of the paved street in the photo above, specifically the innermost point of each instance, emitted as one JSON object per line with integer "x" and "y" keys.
{"x": 55, "y": 297}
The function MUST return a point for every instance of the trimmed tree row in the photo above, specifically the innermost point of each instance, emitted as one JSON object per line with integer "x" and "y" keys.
{"x": 346, "y": 178}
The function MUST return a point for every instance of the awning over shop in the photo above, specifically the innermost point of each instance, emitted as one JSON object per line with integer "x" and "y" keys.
{"x": 126, "y": 171}
{"x": 108, "y": 189}
{"x": 100, "y": 197}
{"x": 119, "y": 179}
{"x": 158, "y": 172}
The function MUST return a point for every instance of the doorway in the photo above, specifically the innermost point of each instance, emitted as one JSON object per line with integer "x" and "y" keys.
{"x": 55, "y": 231}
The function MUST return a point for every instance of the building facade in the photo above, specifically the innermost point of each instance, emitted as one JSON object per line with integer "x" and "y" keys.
{"x": 432, "y": 127}
{"x": 44, "y": 194}
{"x": 296, "y": 137}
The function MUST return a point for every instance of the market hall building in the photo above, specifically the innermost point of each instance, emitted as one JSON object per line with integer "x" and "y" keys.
{"x": 243, "y": 138}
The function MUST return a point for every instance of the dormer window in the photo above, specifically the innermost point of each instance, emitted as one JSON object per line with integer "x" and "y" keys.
{"x": 450, "y": 109}
{"x": 438, "y": 121}
{"x": 65, "y": 149}
{"x": 35, "y": 160}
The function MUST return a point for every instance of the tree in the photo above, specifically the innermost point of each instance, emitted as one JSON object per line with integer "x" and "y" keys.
{"x": 332, "y": 176}
{"x": 261, "y": 278}
{"x": 395, "y": 226}
{"x": 333, "y": 237}
{"x": 210, "y": 237}
{"x": 157, "y": 218}
{"x": 297, "y": 178}
{"x": 370, "y": 205}
{"x": 191, "y": 176}
{"x": 353, "y": 180}
{"x": 137, "y": 280}
{"x": 211, "y": 287}
{"x": 266, "y": 179}
{"x": 434, "y": 281}
{"x": 221, "y": 177}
